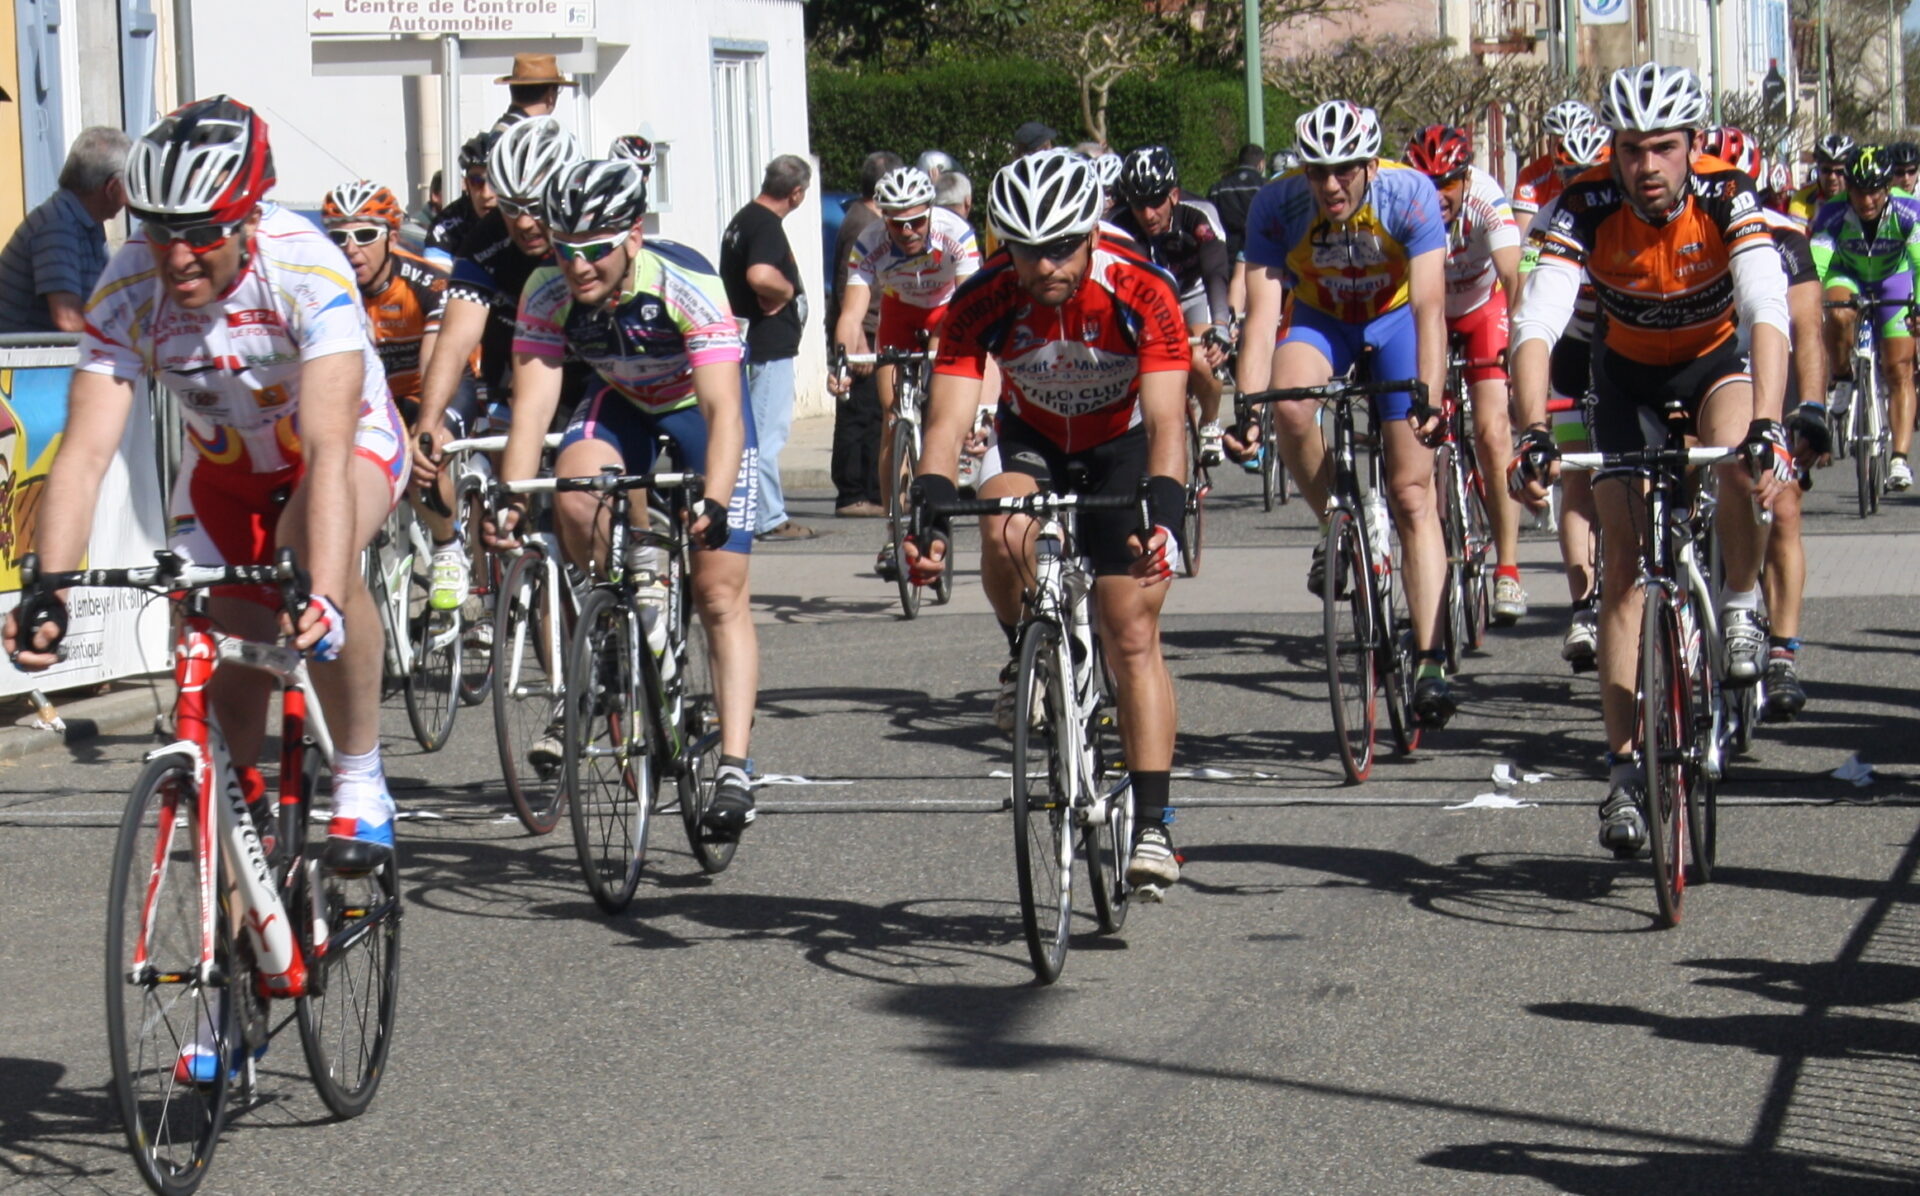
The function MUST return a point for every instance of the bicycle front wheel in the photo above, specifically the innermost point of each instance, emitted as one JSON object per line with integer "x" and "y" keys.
{"x": 476, "y": 617}
{"x": 1273, "y": 471}
{"x": 1353, "y": 663}
{"x": 905, "y": 460}
{"x": 528, "y": 651}
{"x": 699, "y": 769}
{"x": 1043, "y": 800}
{"x": 161, "y": 1015}
{"x": 1199, "y": 483}
{"x": 1665, "y": 724}
{"x": 611, "y": 778}
{"x": 1106, "y": 842}
{"x": 350, "y": 934}
{"x": 433, "y": 684}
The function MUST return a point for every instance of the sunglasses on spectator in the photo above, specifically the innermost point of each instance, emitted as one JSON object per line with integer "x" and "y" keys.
{"x": 589, "y": 251}
{"x": 200, "y": 238}
{"x": 1343, "y": 171}
{"x": 1055, "y": 251}
{"x": 344, "y": 237}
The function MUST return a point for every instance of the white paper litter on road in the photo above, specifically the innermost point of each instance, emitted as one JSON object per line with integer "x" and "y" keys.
{"x": 1495, "y": 801}
{"x": 781, "y": 778}
{"x": 1856, "y": 771}
{"x": 1505, "y": 778}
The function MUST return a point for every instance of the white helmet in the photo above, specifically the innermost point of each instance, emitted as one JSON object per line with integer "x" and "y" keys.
{"x": 903, "y": 187}
{"x": 1108, "y": 168}
{"x": 936, "y": 160}
{"x": 1338, "y": 131}
{"x": 1650, "y": 97}
{"x": 526, "y": 155}
{"x": 1566, "y": 116}
{"x": 1045, "y": 196}
{"x": 1586, "y": 145}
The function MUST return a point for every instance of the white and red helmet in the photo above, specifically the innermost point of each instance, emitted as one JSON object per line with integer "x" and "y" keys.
{"x": 207, "y": 161}
{"x": 1736, "y": 149}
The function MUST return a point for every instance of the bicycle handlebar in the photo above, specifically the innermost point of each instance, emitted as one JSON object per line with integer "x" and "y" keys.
{"x": 606, "y": 483}
{"x": 1345, "y": 391}
{"x": 1040, "y": 504}
{"x": 494, "y": 444}
{"x": 1648, "y": 458}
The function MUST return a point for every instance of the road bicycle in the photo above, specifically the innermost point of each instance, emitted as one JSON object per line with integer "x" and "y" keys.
{"x": 639, "y": 701}
{"x": 469, "y": 462}
{"x": 1464, "y": 524}
{"x": 1070, "y": 797}
{"x": 909, "y": 413}
{"x": 1861, "y": 428}
{"x": 1368, "y": 632}
{"x": 216, "y": 911}
{"x": 422, "y": 645}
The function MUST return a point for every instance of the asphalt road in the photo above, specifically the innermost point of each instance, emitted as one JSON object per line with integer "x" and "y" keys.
{"x": 1355, "y": 990}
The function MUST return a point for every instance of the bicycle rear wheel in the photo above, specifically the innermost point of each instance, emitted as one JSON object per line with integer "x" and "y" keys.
{"x": 611, "y": 779}
{"x": 700, "y": 721}
{"x": 156, "y": 1002}
{"x": 528, "y": 652}
{"x": 1705, "y": 696}
{"x": 1353, "y": 666}
{"x": 433, "y": 683}
{"x": 476, "y": 617}
{"x": 1043, "y": 801}
{"x": 1665, "y": 725}
{"x": 1860, "y": 433}
{"x": 1194, "y": 519}
{"x": 350, "y": 935}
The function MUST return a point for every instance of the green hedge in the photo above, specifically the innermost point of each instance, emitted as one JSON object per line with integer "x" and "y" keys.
{"x": 970, "y": 110}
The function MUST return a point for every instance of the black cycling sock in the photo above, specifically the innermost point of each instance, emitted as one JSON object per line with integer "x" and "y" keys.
{"x": 1150, "y": 794}
{"x": 1012, "y": 631}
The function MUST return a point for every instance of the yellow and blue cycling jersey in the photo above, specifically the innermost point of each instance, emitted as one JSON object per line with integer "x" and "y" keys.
{"x": 1354, "y": 270}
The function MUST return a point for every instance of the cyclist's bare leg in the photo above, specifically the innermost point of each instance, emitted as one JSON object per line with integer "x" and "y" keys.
{"x": 1493, "y": 443}
{"x": 1897, "y": 352}
{"x": 1409, "y": 476}
{"x": 1723, "y": 421}
{"x": 1576, "y": 526}
{"x": 1621, "y": 512}
{"x": 1295, "y": 424}
{"x": 582, "y": 518}
{"x": 1785, "y": 578}
{"x": 720, "y": 595}
{"x": 1840, "y": 331}
{"x": 1006, "y": 547}
{"x": 1129, "y": 617}
{"x": 1202, "y": 386}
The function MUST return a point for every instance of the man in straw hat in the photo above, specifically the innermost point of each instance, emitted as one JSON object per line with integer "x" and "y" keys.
{"x": 534, "y": 87}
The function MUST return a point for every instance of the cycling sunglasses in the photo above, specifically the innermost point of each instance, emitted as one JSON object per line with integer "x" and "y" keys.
{"x": 476, "y": 178}
{"x": 1344, "y": 171}
{"x": 1055, "y": 251}
{"x": 1148, "y": 201}
{"x": 514, "y": 207}
{"x": 919, "y": 221}
{"x": 589, "y": 251}
{"x": 200, "y": 238}
{"x": 355, "y": 236}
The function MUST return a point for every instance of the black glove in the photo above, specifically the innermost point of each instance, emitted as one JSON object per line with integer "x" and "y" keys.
{"x": 1808, "y": 424}
{"x": 717, "y": 530}
{"x": 930, "y": 494}
{"x": 43, "y": 606}
{"x": 1166, "y": 509}
{"x": 1533, "y": 450}
{"x": 1766, "y": 449}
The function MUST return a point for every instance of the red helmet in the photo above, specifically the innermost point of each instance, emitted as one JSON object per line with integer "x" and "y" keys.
{"x": 1735, "y": 148}
{"x": 208, "y": 160}
{"x": 1441, "y": 152}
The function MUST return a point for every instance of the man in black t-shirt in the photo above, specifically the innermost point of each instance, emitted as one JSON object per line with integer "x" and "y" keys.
{"x": 763, "y": 287}
{"x": 1232, "y": 197}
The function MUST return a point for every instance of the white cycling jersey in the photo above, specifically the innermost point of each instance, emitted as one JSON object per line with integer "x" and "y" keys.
{"x": 926, "y": 279}
{"x": 235, "y": 364}
{"x": 1484, "y": 223}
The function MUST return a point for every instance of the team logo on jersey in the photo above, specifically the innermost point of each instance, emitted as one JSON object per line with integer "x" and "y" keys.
{"x": 1090, "y": 329}
{"x": 650, "y": 311}
{"x": 254, "y": 316}
{"x": 271, "y": 396}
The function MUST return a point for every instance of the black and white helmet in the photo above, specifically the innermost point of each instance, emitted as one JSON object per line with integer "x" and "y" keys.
{"x": 584, "y": 198}
{"x": 902, "y": 188}
{"x": 527, "y": 155}
{"x": 1045, "y": 196}
{"x": 1148, "y": 173}
{"x": 1649, "y": 98}
{"x": 1338, "y": 131}
{"x": 1834, "y": 149}
{"x": 1566, "y": 116}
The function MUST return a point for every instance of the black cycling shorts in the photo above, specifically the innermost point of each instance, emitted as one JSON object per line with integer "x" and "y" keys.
{"x": 1630, "y": 397}
{"x": 1114, "y": 467}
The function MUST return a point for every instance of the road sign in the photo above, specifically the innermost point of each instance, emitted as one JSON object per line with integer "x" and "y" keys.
{"x": 467, "y": 18}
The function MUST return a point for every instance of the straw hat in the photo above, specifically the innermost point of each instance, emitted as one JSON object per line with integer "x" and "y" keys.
{"x": 533, "y": 69}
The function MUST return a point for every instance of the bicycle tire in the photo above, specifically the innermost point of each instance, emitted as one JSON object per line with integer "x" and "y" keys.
{"x": 612, "y": 780}
{"x": 1453, "y": 524}
{"x": 1865, "y": 392}
{"x": 1106, "y": 842}
{"x": 1193, "y": 516}
{"x": 1479, "y": 546}
{"x": 171, "y": 1128}
{"x": 1663, "y": 731}
{"x": 1351, "y": 652}
{"x": 432, "y": 686}
{"x": 1395, "y": 634}
{"x": 476, "y": 616}
{"x": 899, "y": 513}
{"x": 526, "y": 695}
{"x": 1705, "y": 696}
{"x": 699, "y": 768}
{"x": 353, "y": 978}
{"x": 1042, "y": 802}
{"x": 1273, "y": 470}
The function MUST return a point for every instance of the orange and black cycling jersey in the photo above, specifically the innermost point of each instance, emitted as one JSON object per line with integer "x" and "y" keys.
{"x": 404, "y": 313}
{"x": 1666, "y": 289}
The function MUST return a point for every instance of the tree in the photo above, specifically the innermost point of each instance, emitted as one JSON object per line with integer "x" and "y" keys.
{"x": 1212, "y": 33}
{"x": 1098, "y": 42}
{"x": 1860, "y": 88}
{"x": 849, "y": 33}
{"x": 1380, "y": 73}
{"x": 1526, "y": 90}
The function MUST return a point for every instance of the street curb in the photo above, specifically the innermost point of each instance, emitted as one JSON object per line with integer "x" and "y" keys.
{"x": 803, "y": 479}
{"x": 131, "y": 708}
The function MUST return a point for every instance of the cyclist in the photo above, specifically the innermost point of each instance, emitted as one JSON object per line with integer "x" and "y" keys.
{"x": 1570, "y": 377}
{"x": 1108, "y": 168}
{"x": 247, "y": 313}
{"x": 1361, "y": 244}
{"x": 1483, "y": 249}
{"x": 1904, "y": 156}
{"x": 1093, "y": 355}
{"x": 916, "y": 254}
{"x": 1868, "y": 243}
{"x": 1830, "y": 158}
{"x": 475, "y": 202}
{"x": 1541, "y": 179}
{"x": 652, "y": 321}
{"x": 1676, "y": 247}
{"x": 496, "y": 257}
{"x": 638, "y": 150}
{"x": 1185, "y": 238}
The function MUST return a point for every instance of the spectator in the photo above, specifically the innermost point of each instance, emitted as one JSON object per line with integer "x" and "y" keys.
{"x": 954, "y": 192}
{"x": 1232, "y": 197}
{"x": 935, "y": 163}
{"x": 763, "y": 286}
{"x": 1031, "y": 138}
{"x": 51, "y": 262}
{"x": 857, "y": 421}
{"x": 532, "y": 89}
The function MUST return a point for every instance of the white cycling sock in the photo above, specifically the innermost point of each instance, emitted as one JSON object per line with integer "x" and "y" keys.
{"x": 1740, "y": 599}
{"x": 360, "y": 788}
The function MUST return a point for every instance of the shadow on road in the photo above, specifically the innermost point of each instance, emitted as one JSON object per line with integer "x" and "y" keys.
{"x": 1596, "y": 1171}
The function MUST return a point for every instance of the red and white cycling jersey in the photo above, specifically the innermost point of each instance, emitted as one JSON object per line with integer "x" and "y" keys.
{"x": 926, "y": 279}
{"x": 1483, "y": 224}
{"x": 235, "y": 364}
{"x": 1072, "y": 372}
{"x": 1539, "y": 184}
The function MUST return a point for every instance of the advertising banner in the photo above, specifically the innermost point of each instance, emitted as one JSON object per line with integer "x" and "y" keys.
{"x": 1603, "y": 12}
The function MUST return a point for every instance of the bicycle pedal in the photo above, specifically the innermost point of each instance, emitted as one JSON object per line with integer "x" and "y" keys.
{"x": 1150, "y": 893}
